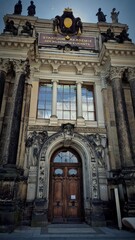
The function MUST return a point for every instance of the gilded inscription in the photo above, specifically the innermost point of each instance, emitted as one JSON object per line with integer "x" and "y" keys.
{"x": 51, "y": 39}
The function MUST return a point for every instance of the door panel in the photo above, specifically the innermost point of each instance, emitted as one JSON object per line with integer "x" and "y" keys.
{"x": 58, "y": 197}
{"x": 65, "y": 193}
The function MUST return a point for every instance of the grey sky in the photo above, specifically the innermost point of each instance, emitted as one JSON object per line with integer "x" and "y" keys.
{"x": 85, "y": 9}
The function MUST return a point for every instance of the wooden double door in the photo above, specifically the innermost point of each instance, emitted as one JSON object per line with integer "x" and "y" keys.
{"x": 66, "y": 193}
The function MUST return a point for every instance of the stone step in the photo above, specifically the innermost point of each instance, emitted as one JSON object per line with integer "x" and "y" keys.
{"x": 68, "y": 225}
{"x": 69, "y": 228}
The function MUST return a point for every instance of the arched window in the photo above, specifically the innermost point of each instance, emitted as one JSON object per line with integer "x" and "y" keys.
{"x": 65, "y": 156}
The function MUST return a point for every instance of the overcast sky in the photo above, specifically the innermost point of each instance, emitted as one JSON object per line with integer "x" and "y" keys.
{"x": 85, "y": 9}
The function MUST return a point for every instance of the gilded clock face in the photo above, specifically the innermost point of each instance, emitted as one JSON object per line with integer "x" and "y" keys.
{"x": 68, "y": 22}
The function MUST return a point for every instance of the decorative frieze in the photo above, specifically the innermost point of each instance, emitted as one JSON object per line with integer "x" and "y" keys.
{"x": 57, "y": 128}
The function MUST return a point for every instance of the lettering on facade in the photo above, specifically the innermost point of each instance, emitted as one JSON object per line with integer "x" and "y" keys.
{"x": 79, "y": 41}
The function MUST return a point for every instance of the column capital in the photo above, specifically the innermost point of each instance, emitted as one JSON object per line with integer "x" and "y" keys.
{"x": 4, "y": 65}
{"x": 21, "y": 66}
{"x": 79, "y": 82}
{"x": 116, "y": 72}
{"x": 54, "y": 80}
{"x": 131, "y": 73}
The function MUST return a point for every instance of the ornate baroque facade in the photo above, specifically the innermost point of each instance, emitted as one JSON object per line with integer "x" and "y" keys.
{"x": 67, "y": 105}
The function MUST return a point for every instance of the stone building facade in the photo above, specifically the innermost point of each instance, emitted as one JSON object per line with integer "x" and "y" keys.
{"x": 67, "y": 105}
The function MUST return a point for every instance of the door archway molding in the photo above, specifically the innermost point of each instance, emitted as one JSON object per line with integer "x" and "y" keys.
{"x": 89, "y": 164}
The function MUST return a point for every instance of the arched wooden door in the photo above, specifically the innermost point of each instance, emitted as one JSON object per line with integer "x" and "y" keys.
{"x": 66, "y": 193}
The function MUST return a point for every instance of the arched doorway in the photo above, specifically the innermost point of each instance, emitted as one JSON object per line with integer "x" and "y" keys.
{"x": 66, "y": 187}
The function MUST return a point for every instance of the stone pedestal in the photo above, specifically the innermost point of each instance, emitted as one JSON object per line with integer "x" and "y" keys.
{"x": 53, "y": 120}
{"x": 97, "y": 215}
{"x": 12, "y": 195}
{"x": 32, "y": 183}
{"x": 39, "y": 216}
{"x": 80, "y": 122}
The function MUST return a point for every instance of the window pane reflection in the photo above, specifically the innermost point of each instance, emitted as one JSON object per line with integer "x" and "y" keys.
{"x": 44, "y": 101}
{"x": 88, "y": 103}
{"x": 65, "y": 157}
{"x": 66, "y": 102}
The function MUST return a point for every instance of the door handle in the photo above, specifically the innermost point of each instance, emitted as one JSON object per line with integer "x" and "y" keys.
{"x": 58, "y": 203}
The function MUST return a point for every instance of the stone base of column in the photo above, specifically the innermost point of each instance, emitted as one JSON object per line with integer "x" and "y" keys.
{"x": 32, "y": 184}
{"x": 13, "y": 193}
{"x": 97, "y": 215}
{"x": 80, "y": 121}
{"x": 39, "y": 216}
{"x": 53, "y": 120}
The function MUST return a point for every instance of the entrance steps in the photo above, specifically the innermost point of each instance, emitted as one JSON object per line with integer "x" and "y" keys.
{"x": 83, "y": 231}
{"x": 81, "y": 228}
{"x": 67, "y": 232}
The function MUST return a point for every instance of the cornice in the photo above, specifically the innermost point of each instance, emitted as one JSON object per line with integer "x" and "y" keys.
{"x": 17, "y": 47}
{"x": 6, "y": 40}
{"x": 117, "y": 52}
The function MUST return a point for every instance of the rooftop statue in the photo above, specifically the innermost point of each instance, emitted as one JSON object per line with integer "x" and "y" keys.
{"x": 114, "y": 15}
{"x": 27, "y": 29}
{"x": 10, "y": 27}
{"x": 31, "y": 9}
{"x": 109, "y": 35}
{"x": 18, "y": 8}
{"x": 101, "y": 16}
{"x": 123, "y": 36}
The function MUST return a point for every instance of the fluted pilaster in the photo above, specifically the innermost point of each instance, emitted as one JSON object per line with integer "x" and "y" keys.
{"x": 122, "y": 123}
{"x": 11, "y": 124}
{"x": 131, "y": 79}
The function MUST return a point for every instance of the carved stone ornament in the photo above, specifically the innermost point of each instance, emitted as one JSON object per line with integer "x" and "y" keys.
{"x": 5, "y": 65}
{"x": 116, "y": 72}
{"x": 67, "y": 24}
{"x": 35, "y": 142}
{"x": 68, "y": 129}
{"x": 99, "y": 144}
{"x": 131, "y": 73}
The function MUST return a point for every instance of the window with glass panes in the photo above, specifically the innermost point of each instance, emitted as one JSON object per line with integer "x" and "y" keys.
{"x": 66, "y": 102}
{"x": 44, "y": 101}
{"x": 88, "y": 110}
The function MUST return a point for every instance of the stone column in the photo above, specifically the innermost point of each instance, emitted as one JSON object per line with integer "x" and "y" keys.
{"x": 53, "y": 118}
{"x": 122, "y": 123}
{"x": 79, "y": 99}
{"x": 54, "y": 99}
{"x": 111, "y": 163}
{"x": 11, "y": 125}
{"x": 131, "y": 79}
{"x": 99, "y": 103}
{"x": 80, "y": 119}
{"x": 24, "y": 123}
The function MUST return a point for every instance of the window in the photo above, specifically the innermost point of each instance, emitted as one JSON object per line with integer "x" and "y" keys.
{"x": 88, "y": 103}
{"x": 44, "y": 101}
{"x": 65, "y": 156}
{"x": 66, "y": 102}
{"x": 66, "y": 106}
